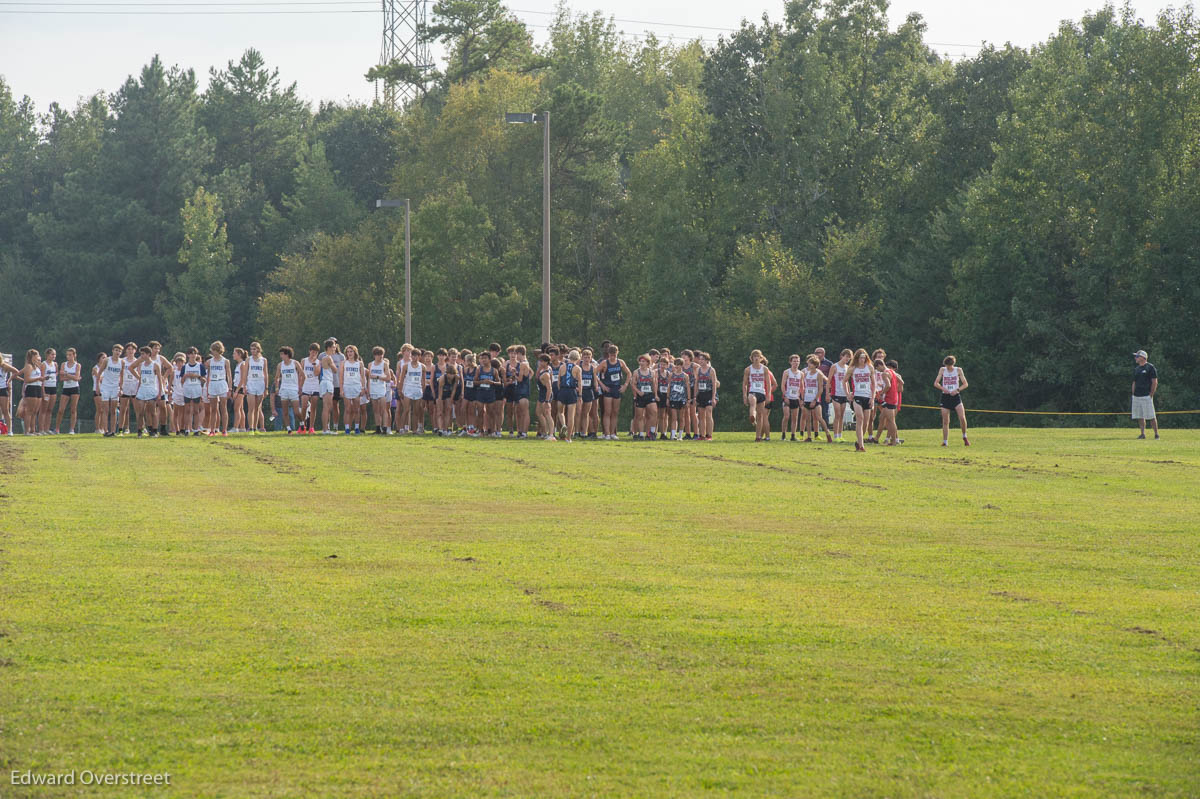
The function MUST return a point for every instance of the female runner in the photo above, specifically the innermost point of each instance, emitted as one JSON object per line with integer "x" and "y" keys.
{"x": 238, "y": 389}
{"x": 310, "y": 389}
{"x": 587, "y": 393}
{"x": 71, "y": 373}
{"x": 662, "y": 374}
{"x": 30, "y": 408}
{"x": 645, "y": 408}
{"x": 192, "y": 377}
{"x": 254, "y": 380}
{"x": 287, "y": 386}
{"x": 568, "y": 391}
{"x": 679, "y": 393}
{"x": 216, "y": 386}
{"x": 353, "y": 387}
{"x": 178, "y": 402}
{"x": 49, "y": 390}
{"x": 448, "y": 389}
{"x": 951, "y": 381}
{"x": 837, "y": 376}
{"x": 412, "y": 383}
{"x": 860, "y": 384}
{"x": 129, "y": 386}
{"x": 150, "y": 387}
{"x": 521, "y": 390}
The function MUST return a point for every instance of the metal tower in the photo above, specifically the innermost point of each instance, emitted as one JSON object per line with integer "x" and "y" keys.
{"x": 402, "y": 21}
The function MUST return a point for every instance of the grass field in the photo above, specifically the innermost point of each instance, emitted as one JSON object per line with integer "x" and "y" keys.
{"x": 383, "y": 617}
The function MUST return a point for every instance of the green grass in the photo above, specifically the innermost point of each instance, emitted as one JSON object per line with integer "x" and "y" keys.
{"x": 531, "y": 619}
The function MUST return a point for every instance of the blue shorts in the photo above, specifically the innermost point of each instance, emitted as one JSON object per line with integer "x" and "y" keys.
{"x": 567, "y": 396}
{"x": 589, "y": 394}
{"x": 484, "y": 395}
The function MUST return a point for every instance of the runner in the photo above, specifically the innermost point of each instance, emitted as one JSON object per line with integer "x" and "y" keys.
{"x": 162, "y": 408}
{"x": 331, "y": 387}
{"x": 49, "y": 390}
{"x": 521, "y": 391}
{"x": 568, "y": 391}
{"x": 679, "y": 394}
{"x": 310, "y": 389}
{"x": 150, "y": 387}
{"x": 755, "y": 383}
{"x": 690, "y": 415}
{"x": 616, "y": 379}
{"x": 645, "y": 394}
{"x": 469, "y": 371}
{"x": 97, "y": 377}
{"x": 112, "y": 368}
{"x": 951, "y": 381}
{"x": 412, "y": 384}
{"x": 192, "y": 376}
{"x": 487, "y": 384}
{"x": 287, "y": 385}
{"x": 545, "y": 388}
{"x": 254, "y": 381}
{"x": 448, "y": 388}
{"x": 814, "y": 388}
{"x": 71, "y": 373}
{"x": 706, "y": 385}
{"x": 587, "y": 393}
{"x": 30, "y": 408}
{"x": 860, "y": 383}
{"x": 129, "y": 386}
{"x": 792, "y": 381}
{"x": 891, "y": 401}
{"x": 352, "y": 378}
{"x": 663, "y": 366}
{"x": 429, "y": 399}
{"x": 837, "y": 376}
{"x": 176, "y": 394}
{"x": 216, "y": 386}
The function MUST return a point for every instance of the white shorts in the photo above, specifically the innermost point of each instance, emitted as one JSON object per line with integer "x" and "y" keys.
{"x": 218, "y": 389}
{"x": 147, "y": 394}
{"x": 311, "y": 386}
{"x": 256, "y": 389}
{"x": 289, "y": 394}
{"x": 364, "y": 400}
{"x": 109, "y": 393}
{"x": 379, "y": 390}
{"x": 1143, "y": 408}
{"x": 192, "y": 390}
{"x": 177, "y": 399}
{"x": 351, "y": 391}
{"x": 326, "y": 388}
{"x": 413, "y": 393}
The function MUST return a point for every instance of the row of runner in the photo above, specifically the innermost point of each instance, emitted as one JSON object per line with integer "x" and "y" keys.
{"x": 461, "y": 392}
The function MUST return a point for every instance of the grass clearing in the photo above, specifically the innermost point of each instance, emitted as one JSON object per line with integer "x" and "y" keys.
{"x": 366, "y": 617}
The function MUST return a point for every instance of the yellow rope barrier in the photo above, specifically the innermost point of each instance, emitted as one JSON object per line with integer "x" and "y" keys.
{"x": 1044, "y": 413}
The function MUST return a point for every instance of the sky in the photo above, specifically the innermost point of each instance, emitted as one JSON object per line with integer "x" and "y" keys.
{"x": 64, "y": 57}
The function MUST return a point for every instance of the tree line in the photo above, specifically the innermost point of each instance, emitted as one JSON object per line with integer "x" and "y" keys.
{"x": 815, "y": 180}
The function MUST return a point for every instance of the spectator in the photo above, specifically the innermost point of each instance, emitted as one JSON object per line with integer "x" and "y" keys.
{"x": 1145, "y": 383}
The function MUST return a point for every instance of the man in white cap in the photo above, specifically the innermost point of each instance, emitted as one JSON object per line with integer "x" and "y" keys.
{"x": 1145, "y": 383}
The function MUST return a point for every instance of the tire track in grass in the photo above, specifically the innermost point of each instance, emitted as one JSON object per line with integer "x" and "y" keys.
{"x": 540, "y": 467}
{"x": 279, "y": 465}
{"x": 776, "y": 468}
{"x": 1136, "y": 629}
{"x": 10, "y": 466}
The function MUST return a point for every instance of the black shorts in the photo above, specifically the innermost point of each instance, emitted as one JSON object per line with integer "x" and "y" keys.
{"x": 840, "y": 400}
{"x": 612, "y": 393}
{"x": 891, "y": 406}
{"x": 643, "y": 400}
{"x": 311, "y": 394}
{"x": 484, "y": 396}
{"x": 50, "y": 391}
{"x": 863, "y": 402}
{"x": 704, "y": 399}
{"x": 33, "y": 392}
{"x": 337, "y": 393}
{"x": 678, "y": 405}
{"x": 498, "y": 396}
{"x": 811, "y": 405}
{"x": 791, "y": 403}
{"x": 588, "y": 393}
{"x": 759, "y": 396}
{"x": 510, "y": 392}
{"x": 951, "y": 401}
{"x": 128, "y": 396}
{"x": 71, "y": 392}
{"x": 4, "y": 392}
{"x": 427, "y": 394}
{"x": 567, "y": 396}
{"x": 191, "y": 400}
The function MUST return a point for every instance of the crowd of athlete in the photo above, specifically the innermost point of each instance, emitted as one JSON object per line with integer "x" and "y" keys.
{"x": 575, "y": 393}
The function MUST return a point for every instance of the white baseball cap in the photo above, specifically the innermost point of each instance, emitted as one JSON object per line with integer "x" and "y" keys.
{"x": 1141, "y": 354}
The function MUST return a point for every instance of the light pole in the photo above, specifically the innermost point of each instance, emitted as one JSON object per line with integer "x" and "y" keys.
{"x": 544, "y": 118}
{"x": 407, "y": 261}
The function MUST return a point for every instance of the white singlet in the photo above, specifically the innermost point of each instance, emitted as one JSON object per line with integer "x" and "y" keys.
{"x": 414, "y": 381}
{"x": 862, "y": 381}
{"x": 129, "y": 385}
{"x": 192, "y": 384}
{"x": 949, "y": 379}
{"x": 791, "y": 384}
{"x": 50, "y": 370}
{"x": 758, "y": 380}
{"x": 312, "y": 382}
{"x": 352, "y": 379}
{"x": 289, "y": 381}
{"x": 148, "y": 388}
{"x": 256, "y": 383}
{"x": 812, "y": 384}
{"x": 379, "y": 386}
{"x": 218, "y": 377}
{"x": 71, "y": 379}
{"x": 839, "y": 380}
